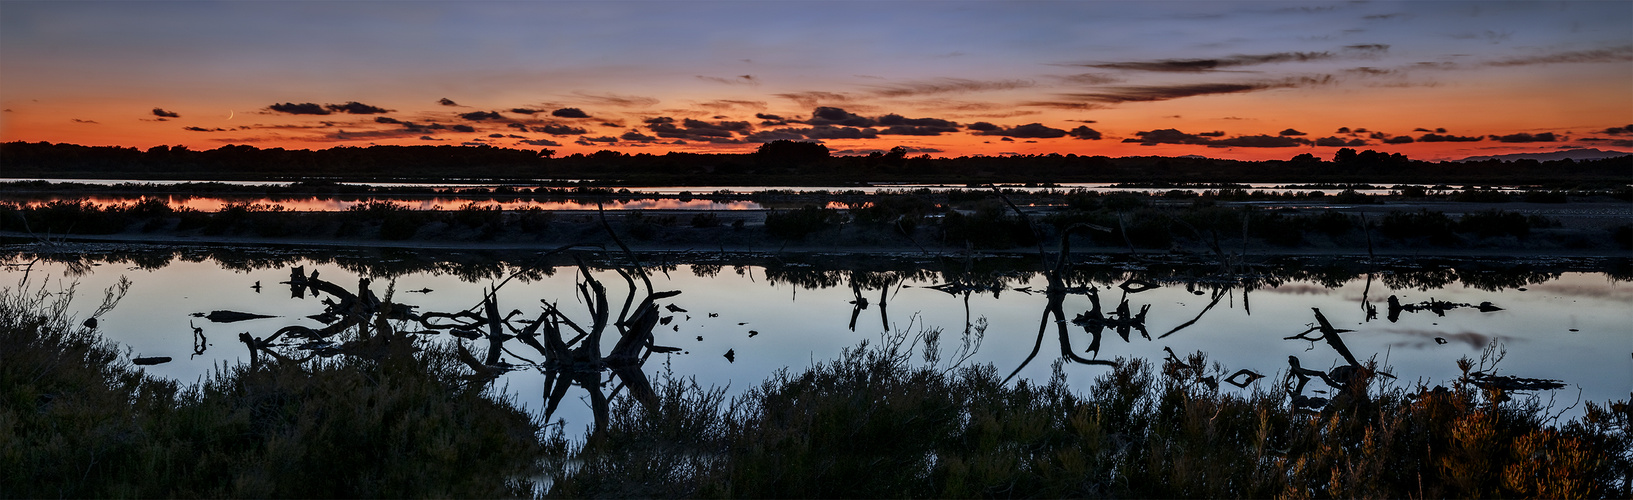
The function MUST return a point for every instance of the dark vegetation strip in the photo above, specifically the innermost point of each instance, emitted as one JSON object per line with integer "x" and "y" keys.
{"x": 944, "y": 220}
{"x": 885, "y": 420}
{"x": 775, "y": 163}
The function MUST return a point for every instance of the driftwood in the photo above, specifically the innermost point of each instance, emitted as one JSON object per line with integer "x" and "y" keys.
{"x": 1438, "y": 307}
{"x": 230, "y": 316}
{"x": 1490, "y": 381}
{"x": 150, "y": 360}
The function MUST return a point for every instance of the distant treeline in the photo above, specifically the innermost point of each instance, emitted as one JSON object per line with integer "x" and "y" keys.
{"x": 776, "y": 163}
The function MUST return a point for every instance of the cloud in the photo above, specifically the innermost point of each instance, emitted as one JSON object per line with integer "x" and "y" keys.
{"x": 864, "y": 152}
{"x": 1339, "y": 142}
{"x": 202, "y": 129}
{"x": 526, "y": 111}
{"x": 481, "y": 115}
{"x": 1174, "y": 136}
{"x": 824, "y": 115}
{"x": 900, "y": 125}
{"x": 692, "y": 129}
{"x": 309, "y": 108}
{"x": 1371, "y": 71}
{"x": 946, "y": 86}
{"x": 1028, "y": 131}
{"x": 447, "y": 102}
{"x": 983, "y": 127}
{"x": 1448, "y": 138}
{"x": 816, "y": 132}
{"x": 1622, "y": 53}
{"x": 463, "y": 128}
{"x": 159, "y": 112}
{"x": 1290, "y": 132}
{"x": 1420, "y": 338}
{"x": 1368, "y": 48}
{"x": 356, "y": 108}
{"x": 1086, "y": 133}
{"x": 415, "y": 127}
{"x": 1216, "y": 133}
{"x": 386, "y": 119}
{"x": 625, "y": 101}
{"x": 1088, "y": 79}
{"x": 592, "y": 141}
{"x": 1524, "y": 137}
{"x": 1399, "y": 139}
{"x": 1260, "y": 141}
{"x": 541, "y": 142}
{"x": 570, "y": 113}
{"x": 634, "y": 136}
{"x": 1204, "y": 65}
{"x": 76, "y": 120}
{"x": 769, "y": 120}
{"x": 1626, "y": 129}
{"x": 813, "y": 99}
{"x": 429, "y": 138}
{"x": 559, "y": 129}
{"x": 725, "y": 104}
{"x": 1148, "y": 93}
{"x": 737, "y": 80}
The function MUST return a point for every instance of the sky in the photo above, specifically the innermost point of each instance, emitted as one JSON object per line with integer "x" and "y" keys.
{"x": 1244, "y": 80}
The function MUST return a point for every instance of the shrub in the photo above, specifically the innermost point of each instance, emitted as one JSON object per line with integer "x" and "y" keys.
{"x": 77, "y": 421}
{"x": 1495, "y": 223}
{"x": 1435, "y": 226}
{"x": 705, "y": 219}
{"x": 1332, "y": 223}
{"x": 796, "y": 224}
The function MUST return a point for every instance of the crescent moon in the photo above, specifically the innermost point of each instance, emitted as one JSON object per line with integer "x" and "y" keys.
{"x": 229, "y": 114}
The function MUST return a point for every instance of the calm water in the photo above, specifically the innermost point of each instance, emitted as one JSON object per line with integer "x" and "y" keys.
{"x": 1573, "y": 326}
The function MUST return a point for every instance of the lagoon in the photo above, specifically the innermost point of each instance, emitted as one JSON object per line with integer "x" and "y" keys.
{"x": 1559, "y": 319}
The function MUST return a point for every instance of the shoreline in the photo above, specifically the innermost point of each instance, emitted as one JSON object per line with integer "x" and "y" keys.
{"x": 15, "y": 238}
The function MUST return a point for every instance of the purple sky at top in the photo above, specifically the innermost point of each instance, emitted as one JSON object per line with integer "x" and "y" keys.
{"x": 91, "y": 72}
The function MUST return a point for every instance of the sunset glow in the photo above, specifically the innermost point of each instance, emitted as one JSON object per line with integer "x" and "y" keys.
{"x": 1240, "y": 80}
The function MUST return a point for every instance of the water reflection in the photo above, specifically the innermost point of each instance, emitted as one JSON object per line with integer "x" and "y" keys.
{"x": 327, "y": 204}
{"x": 801, "y": 306}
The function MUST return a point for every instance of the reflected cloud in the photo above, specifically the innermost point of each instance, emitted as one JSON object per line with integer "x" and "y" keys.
{"x": 1420, "y": 338}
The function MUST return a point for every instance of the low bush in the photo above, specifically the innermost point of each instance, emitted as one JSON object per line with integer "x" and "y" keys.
{"x": 796, "y": 224}
{"x": 1495, "y": 223}
{"x": 76, "y": 420}
{"x": 871, "y": 424}
{"x": 1435, "y": 226}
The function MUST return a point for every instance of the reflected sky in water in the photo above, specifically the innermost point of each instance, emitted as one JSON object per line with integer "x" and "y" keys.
{"x": 1577, "y": 327}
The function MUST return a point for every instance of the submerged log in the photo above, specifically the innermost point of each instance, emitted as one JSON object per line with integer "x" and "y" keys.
{"x": 1485, "y": 380}
{"x": 230, "y": 316}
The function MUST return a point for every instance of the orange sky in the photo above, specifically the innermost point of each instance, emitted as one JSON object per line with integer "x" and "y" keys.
{"x": 1247, "y": 80}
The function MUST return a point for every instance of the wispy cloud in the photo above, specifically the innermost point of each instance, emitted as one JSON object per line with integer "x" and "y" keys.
{"x": 1211, "y": 64}
{"x": 737, "y": 80}
{"x": 618, "y": 100}
{"x": 1622, "y": 53}
{"x": 811, "y": 99}
{"x": 1147, "y": 93}
{"x": 947, "y": 86}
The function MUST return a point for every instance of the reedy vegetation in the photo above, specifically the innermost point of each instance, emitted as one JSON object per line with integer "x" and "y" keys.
{"x": 891, "y": 419}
